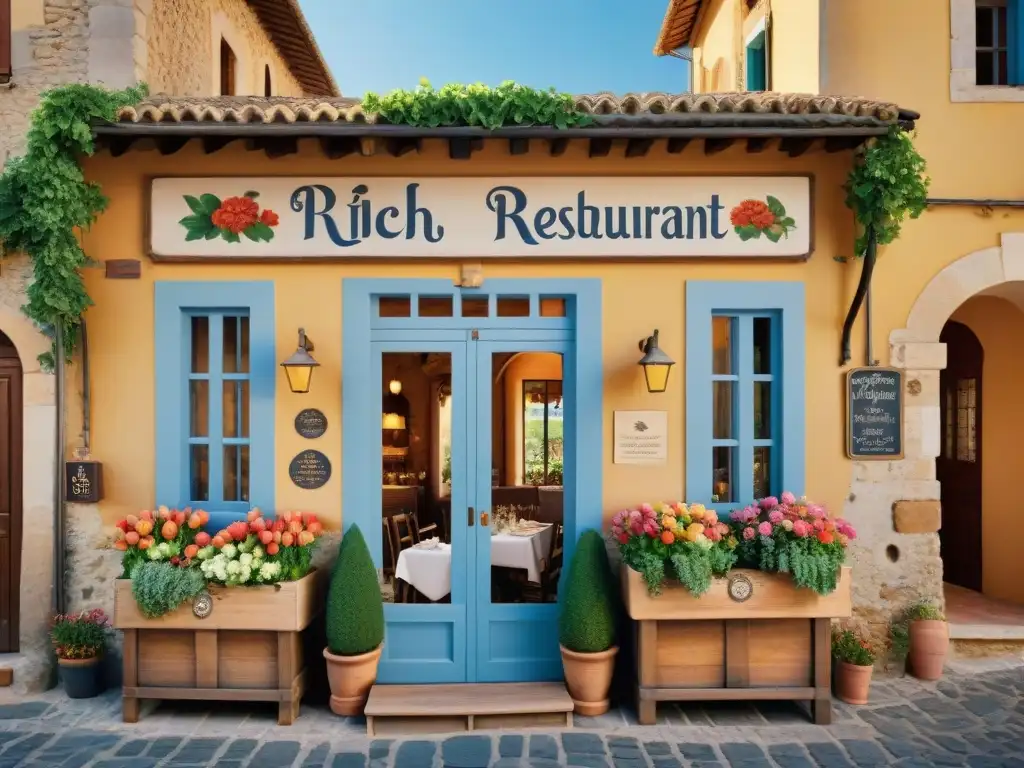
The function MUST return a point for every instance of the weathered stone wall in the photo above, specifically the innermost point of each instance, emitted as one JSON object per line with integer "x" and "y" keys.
{"x": 183, "y": 44}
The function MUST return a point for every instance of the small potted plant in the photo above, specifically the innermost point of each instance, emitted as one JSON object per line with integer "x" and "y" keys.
{"x": 928, "y": 638}
{"x": 79, "y": 640}
{"x": 854, "y": 662}
{"x": 587, "y": 626}
{"x": 355, "y": 625}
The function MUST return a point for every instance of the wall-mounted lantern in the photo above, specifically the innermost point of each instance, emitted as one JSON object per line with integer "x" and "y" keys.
{"x": 656, "y": 364}
{"x": 299, "y": 367}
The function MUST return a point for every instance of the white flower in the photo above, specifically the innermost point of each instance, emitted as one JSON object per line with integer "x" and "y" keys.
{"x": 229, "y": 551}
{"x": 245, "y": 559}
{"x": 154, "y": 553}
{"x": 221, "y": 574}
{"x": 703, "y": 541}
{"x": 258, "y": 551}
{"x": 234, "y": 567}
{"x": 245, "y": 573}
{"x": 164, "y": 547}
{"x": 268, "y": 571}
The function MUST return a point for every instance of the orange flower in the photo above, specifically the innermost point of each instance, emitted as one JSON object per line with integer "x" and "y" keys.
{"x": 667, "y": 537}
{"x": 752, "y": 213}
{"x": 236, "y": 214}
{"x": 825, "y": 537}
{"x": 170, "y": 530}
{"x": 144, "y": 527}
{"x": 191, "y": 550}
{"x": 269, "y": 218}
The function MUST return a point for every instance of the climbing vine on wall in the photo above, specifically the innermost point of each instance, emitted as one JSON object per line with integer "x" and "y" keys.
{"x": 477, "y": 105}
{"x": 45, "y": 202}
{"x": 886, "y": 186}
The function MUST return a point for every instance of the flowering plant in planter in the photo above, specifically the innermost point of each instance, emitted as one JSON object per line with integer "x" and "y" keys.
{"x": 156, "y": 536}
{"x": 687, "y": 542}
{"x": 794, "y": 536}
{"x": 80, "y": 635}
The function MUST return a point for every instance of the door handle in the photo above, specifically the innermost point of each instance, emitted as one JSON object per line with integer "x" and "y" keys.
{"x": 484, "y": 518}
{"x": 470, "y": 517}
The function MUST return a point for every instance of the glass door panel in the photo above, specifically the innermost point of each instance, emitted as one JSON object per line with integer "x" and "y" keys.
{"x": 519, "y": 493}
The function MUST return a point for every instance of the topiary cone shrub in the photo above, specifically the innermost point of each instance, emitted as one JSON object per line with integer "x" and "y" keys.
{"x": 354, "y": 624}
{"x": 587, "y": 626}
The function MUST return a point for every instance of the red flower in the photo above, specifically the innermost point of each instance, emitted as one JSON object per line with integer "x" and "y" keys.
{"x": 236, "y": 214}
{"x": 269, "y": 218}
{"x": 752, "y": 213}
{"x": 825, "y": 537}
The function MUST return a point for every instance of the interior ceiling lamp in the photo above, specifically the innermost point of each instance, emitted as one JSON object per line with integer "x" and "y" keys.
{"x": 299, "y": 367}
{"x": 656, "y": 364}
{"x": 395, "y": 386}
{"x": 395, "y": 407}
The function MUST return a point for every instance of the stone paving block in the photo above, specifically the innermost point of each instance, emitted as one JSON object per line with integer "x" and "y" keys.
{"x": 162, "y": 747}
{"x": 629, "y": 762}
{"x": 737, "y": 752}
{"x": 793, "y": 761}
{"x": 128, "y": 762}
{"x": 239, "y": 749}
{"x": 984, "y": 705}
{"x": 663, "y": 761}
{"x": 622, "y": 741}
{"x": 23, "y": 711}
{"x": 467, "y": 751}
{"x": 901, "y": 748}
{"x": 508, "y": 762}
{"x": 196, "y": 752}
{"x": 349, "y": 760}
{"x": 582, "y": 743}
{"x": 510, "y": 746}
{"x": 984, "y": 761}
{"x": 544, "y": 747}
{"x": 827, "y": 754}
{"x": 415, "y": 754}
{"x": 865, "y": 753}
{"x": 317, "y": 756}
{"x": 655, "y": 748}
{"x": 275, "y": 754}
{"x": 698, "y": 752}
{"x": 624, "y": 752}
{"x": 545, "y": 762}
{"x": 951, "y": 743}
{"x": 20, "y": 750}
{"x": 380, "y": 748}
{"x": 132, "y": 748}
{"x": 587, "y": 760}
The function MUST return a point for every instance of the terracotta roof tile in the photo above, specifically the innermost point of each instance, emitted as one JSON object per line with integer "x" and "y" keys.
{"x": 677, "y": 26}
{"x": 607, "y": 108}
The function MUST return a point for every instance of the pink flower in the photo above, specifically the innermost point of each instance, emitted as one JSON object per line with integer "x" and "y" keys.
{"x": 651, "y": 528}
{"x": 713, "y": 534}
{"x": 765, "y": 528}
{"x": 847, "y": 530}
{"x": 816, "y": 510}
{"x": 775, "y": 516}
{"x": 710, "y": 517}
{"x": 819, "y": 524}
{"x": 801, "y": 528}
{"x": 636, "y": 527}
{"x": 749, "y": 533}
{"x": 788, "y": 498}
{"x": 769, "y": 502}
{"x": 647, "y": 510}
{"x": 619, "y": 517}
{"x": 744, "y": 515}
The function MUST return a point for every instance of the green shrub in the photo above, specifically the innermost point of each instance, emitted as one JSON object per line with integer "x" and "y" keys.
{"x": 849, "y": 647}
{"x": 159, "y": 588}
{"x": 587, "y": 623}
{"x": 355, "y": 611}
{"x": 899, "y": 629}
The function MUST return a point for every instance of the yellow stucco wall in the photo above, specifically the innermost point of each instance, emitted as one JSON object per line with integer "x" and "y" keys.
{"x": 720, "y": 45}
{"x": 637, "y": 298}
{"x": 999, "y": 326}
{"x": 184, "y": 49}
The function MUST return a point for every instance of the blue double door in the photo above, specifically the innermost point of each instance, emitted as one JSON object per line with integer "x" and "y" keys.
{"x": 481, "y": 606}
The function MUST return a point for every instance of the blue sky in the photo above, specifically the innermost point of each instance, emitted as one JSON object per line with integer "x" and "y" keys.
{"x": 579, "y": 46}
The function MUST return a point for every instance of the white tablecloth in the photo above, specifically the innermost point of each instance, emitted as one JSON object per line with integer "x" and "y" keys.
{"x": 430, "y": 570}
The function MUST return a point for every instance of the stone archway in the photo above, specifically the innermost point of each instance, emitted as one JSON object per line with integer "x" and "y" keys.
{"x": 895, "y": 505}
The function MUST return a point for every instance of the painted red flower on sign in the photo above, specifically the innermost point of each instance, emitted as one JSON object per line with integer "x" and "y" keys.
{"x": 269, "y": 218}
{"x": 752, "y": 213}
{"x": 236, "y": 214}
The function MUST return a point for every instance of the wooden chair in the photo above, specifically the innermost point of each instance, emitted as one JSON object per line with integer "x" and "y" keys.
{"x": 550, "y": 510}
{"x": 405, "y": 533}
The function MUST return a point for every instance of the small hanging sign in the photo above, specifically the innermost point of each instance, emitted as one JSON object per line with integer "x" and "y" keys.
{"x": 83, "y": 482}
{"x": 310, "y": 470}
{"x": 311, "y": 423}
{"x": 874, "y": 414}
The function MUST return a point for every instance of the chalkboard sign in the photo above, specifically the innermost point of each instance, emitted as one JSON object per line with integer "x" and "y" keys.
{"x": 311, "y": 423}
{"x": 874, "y": 409}
{"x": 310, "y": 470}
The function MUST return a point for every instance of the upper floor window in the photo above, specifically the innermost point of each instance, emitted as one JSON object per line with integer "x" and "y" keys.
{"x": 268, "y": 85}
{"x": 757, "y": 59}
{"x": 992, "y": 42}
{"x": 228, "y": 66}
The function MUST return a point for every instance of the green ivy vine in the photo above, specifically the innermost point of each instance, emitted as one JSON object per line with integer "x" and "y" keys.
{"x": 477, "y": 105}
{"x": 45, "y": 203}
{"x": 886, "y": 186}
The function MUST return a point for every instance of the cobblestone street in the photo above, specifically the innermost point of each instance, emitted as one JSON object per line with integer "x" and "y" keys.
{"x": 974, "y": 717}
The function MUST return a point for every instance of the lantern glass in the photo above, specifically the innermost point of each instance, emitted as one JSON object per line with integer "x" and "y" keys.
{"x": 656, "y": 375}
{"x": 299, "y": 377}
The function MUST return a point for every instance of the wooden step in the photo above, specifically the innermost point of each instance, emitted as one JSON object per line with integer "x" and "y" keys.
{"x": 446, "y": 708}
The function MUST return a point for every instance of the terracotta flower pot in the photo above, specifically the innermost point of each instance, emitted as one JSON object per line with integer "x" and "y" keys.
{"x": 588, "y": 676}
{"x": 929, "y": 644}
{"x": 351, "y": 678}
{"x": 852, "y": 682}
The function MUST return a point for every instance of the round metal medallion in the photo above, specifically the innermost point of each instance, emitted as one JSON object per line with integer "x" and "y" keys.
{"x": 740, "y": 588}
{"x": 202, "y": 606}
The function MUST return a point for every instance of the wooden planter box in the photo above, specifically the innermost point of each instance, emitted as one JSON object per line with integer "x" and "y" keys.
{"x": 775, "y": 644}
{"x": 247, "y": 649}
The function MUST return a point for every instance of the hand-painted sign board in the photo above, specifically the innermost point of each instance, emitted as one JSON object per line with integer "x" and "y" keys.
{"x": 874, "y": 412}
{"x": 668, "y": 217}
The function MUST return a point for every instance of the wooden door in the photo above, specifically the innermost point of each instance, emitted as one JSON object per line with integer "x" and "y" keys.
{"x": 10, "y": 494}
{"x": 958, "y": 466}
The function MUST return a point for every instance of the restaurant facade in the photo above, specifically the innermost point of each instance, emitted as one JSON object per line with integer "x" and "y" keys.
{"x": 464, "y": 313}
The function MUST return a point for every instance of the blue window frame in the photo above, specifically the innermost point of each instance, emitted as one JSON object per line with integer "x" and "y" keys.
{"x": 757, "y": 63}
{"x": 744, "y": 391}
{"x": 215, "y": 390}
{"x": 998, "y": 42}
